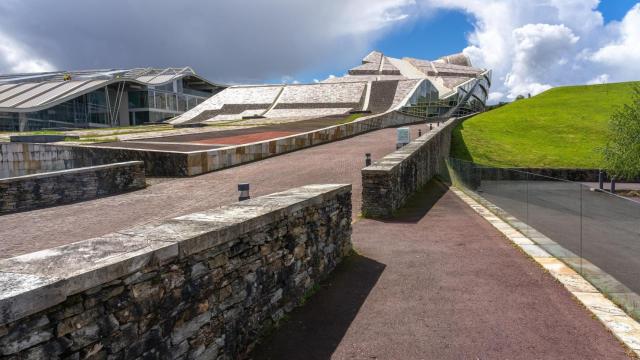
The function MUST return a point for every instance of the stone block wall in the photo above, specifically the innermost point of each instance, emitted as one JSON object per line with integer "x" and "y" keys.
{"x": 389, "y": 182}
{"x": 176, "y": 163}
{"x": 60, "y": 187}
{"x": 18, "y": 159}
{"x": 200, "y": 162}
{"x": 156, "y": 162}
{"x": 200, "y": 286}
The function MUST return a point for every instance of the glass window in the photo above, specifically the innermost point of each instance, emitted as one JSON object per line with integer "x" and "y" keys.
{"x": 138, "y": 99}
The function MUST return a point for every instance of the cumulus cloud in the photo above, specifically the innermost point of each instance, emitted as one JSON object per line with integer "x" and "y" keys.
{"x": 538, "y": 48}
{"x": 537, "y": 44}
{"x": 622, "y": 52}
{"x": 16, "y": 58}
{"x": 600, "y": 79}
{"x": 225, "y": 40}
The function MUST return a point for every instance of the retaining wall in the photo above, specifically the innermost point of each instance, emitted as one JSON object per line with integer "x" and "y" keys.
{"x": 18, "y": 159}
{"x": 389, "y": 182}
{"x": 578, "y": 175}
{"x": 174, "y": 163}
{"x": 200, "y": 286}
{"x": 472, "y": 175}
{"x": 200, "y": 162}
{"x": 60, "y": 187}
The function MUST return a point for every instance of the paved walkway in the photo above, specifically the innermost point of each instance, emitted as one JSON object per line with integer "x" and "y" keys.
{"x": 442, "y": 284}
{"x": 337, "y": 162}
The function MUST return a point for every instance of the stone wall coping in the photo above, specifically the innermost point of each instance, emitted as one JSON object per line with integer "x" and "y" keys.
{"x": 231, "y": 147}
{"x": 391, "y": 161}
{"x": 36, "y": 281}
{"x": 297, "y": 135}
{"x": 84, "y": 169}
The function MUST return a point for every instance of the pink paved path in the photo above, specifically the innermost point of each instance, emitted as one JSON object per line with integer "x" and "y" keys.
{"x": 440, "y": 285}
{"x": 338, "y": 162}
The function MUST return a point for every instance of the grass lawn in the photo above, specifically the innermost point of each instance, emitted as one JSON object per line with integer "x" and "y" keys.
{"x": 562, "y": 127}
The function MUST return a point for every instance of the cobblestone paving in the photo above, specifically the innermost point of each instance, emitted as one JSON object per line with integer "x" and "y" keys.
{"x": 338, "y": 162}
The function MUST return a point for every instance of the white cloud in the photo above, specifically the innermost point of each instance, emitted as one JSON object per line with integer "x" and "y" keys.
{"x": 538, "y": 48}
{"x": 16, "y": 58}
{"x": 534, "y": 45}
{"x": 600, "y": 79}
{"x": 495, "y": 96}
{"x": 622, "y": 52}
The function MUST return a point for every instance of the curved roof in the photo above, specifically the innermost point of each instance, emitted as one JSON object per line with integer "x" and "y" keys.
{"x": 34, "y": 92}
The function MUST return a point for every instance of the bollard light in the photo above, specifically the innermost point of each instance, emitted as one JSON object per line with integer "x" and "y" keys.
{"x": 600, "y": 180}
{"x": 613, "y": 185}
{"x": 367, "y": 159}
{"x": 419, "y": 132}
{"x": 430, "y": 126}
{"x": 243, "y": 188}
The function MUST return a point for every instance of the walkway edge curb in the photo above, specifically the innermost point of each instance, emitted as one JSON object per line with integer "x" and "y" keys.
{"x": 623, "y": 327}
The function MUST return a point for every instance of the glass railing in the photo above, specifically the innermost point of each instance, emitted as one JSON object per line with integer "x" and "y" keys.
{"x": 593, "y": 231}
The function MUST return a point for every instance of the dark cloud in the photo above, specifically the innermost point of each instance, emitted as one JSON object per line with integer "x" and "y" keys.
{"x": 224, "y": 40}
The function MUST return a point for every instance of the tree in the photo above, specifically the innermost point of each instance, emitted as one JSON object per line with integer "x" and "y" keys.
{"x": 621, "y": 154}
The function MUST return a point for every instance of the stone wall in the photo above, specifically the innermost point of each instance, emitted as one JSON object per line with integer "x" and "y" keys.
{"x": 156, "y": 162}
{"x": 200, "y": 162}
{"x": 175, "y": 163}
{"x": 29, "y": 192}
{"x": 388, "y": 183}
{"x": 21, "y": 158}
{"x": 200, "y": 286}
{"x": 18, "y": 159}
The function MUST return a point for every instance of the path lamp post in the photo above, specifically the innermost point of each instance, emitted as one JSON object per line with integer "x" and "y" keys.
{"x": 613, "y": 185}
{"x": 367, "y": 159}
{"x": 430, "y": 126}
{"x": 600, "y": 180}
{"x": 419, "y": 132}
{"x": 243, "y": 188}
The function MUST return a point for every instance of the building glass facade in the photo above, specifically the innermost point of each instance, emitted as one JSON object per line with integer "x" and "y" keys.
{"x": 467, "y": 98}
{"x": 99, "y": 99}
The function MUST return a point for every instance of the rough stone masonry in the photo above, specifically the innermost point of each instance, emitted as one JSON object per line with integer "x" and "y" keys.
{"x": 34, "y": 191}
{"x": 390, "y": 182}
{"x": 200, "y": 286}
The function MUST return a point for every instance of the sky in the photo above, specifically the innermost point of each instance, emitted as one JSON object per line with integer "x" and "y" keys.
{"x": 530, "y": 45}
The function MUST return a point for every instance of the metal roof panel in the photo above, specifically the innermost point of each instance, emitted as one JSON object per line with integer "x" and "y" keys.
{"x": 51, "y": 94}
{"x": 17, "y": 90}
{"x": 161, "y": 79}
{"x": 33, "y": 93}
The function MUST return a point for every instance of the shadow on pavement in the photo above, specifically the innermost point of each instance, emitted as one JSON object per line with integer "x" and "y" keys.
{"x": 420, "y": 203}
{"x": 314, "y": 330}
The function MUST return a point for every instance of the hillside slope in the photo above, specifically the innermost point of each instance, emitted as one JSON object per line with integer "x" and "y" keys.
{"x": 562, "y": 127}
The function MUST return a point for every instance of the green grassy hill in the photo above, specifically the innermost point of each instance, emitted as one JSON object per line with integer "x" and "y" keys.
{"x": 562, "y": 127}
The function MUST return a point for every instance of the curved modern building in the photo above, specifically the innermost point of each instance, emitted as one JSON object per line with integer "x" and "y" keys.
{"x": 449, "y": 86}
{"x": 99, "y": 98}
